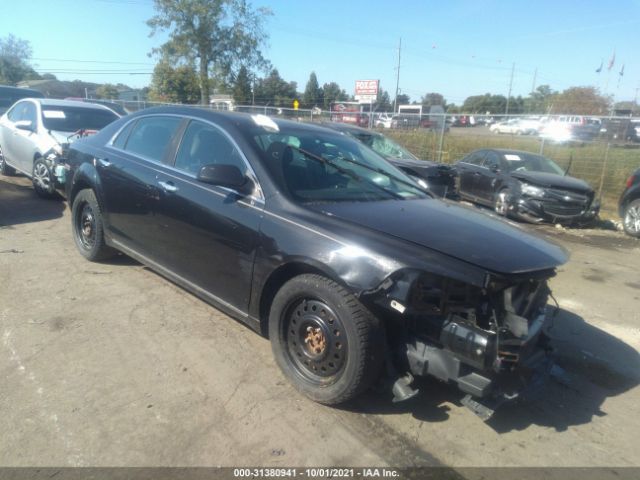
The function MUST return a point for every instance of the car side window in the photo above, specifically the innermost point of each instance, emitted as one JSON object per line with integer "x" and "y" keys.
{"x": 30, "y": 113}
{"x": 121, "y": 140}
{"x": 151, "y": 136}
{"x": 204, "y": 144}
{"x": 476, "y": 158}
{"x": 491, "y": 159}
{"x": 15, "y": 114}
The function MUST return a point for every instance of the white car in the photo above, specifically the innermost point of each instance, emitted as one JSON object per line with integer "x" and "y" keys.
{"x": 385, "y": 120}
{"x": 36, "y": 132}
{"x": 518, "y": 126}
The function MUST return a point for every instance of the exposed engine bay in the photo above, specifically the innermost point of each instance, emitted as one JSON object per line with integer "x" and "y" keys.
{"x": 489, "y": 341}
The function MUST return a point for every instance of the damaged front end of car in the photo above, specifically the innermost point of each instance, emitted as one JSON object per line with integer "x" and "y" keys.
{"x": 488, "y": 339}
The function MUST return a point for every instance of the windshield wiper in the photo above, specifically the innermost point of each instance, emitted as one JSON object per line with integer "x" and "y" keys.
{"x": 363, "y": 165}
{"x": 346, "y": 171}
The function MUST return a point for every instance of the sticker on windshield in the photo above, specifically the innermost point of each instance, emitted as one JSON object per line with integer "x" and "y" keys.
{"x": 53, "y": 114}
{"x": 512, "y": 157}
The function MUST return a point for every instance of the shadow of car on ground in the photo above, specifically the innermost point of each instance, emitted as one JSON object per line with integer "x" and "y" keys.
{"x": 20, "y": 204}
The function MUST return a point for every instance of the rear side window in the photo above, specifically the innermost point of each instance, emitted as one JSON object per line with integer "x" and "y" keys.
{"x": 151, "y": 136}
{"x": 475, "y": 158}
{"x": 121, "y": 139}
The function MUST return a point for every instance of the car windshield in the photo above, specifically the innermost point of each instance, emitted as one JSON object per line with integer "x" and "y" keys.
{"x": 72, "y": 119}
{"x": 324, "y": 167}
{"x": 528, "y": 162}
{"x": 384, "y": 146}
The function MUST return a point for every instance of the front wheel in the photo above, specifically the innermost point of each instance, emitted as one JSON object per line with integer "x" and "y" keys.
{"x": 4, "y": 168}
{"x": 631, "y": 220}
{"x": 324, "y": 340}
{"x": 42, "y": 179}
{"x": 88, "y": 229}
{"x": 501, "y": 204}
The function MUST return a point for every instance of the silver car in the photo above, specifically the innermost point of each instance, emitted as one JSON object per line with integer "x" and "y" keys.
{"x": 35, "y": 134}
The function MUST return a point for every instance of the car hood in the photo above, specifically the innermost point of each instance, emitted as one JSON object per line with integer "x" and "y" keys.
{"x": 453, "y": 230}
{"x": 68, "y": 137}
{"x": 552, "y": 180}
{"x": 413, "y": 163}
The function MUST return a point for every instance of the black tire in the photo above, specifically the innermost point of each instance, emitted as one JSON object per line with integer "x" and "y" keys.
{"x": 42, "y": 179}
{"x": 631, "y": 218}
{"x": 4, "y": 168}
{"x": 324, "y": 340}
{"x": 88, "y": 229}
{"x": 501, "y": 203}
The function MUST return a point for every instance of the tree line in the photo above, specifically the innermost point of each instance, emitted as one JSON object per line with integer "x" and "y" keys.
{"x": 216, "y": 46}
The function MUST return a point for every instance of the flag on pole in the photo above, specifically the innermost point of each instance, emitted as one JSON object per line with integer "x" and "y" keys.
{"x": 612, "y": 61}
{"x": 621, "y": 70}
{"x": 600, "y": 67}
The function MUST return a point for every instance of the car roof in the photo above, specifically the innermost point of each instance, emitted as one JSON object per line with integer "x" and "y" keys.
{"x": 50, "y": 102}
{"x": 237, "y": 119}
{"x": 345, "y": 127}
{"x": 507, "y": 151}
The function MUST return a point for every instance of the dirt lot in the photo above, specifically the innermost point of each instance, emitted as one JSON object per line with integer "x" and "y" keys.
{"x": 110, "y": 364}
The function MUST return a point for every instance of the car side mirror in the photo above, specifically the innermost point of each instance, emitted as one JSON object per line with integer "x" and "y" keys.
{"x": 26, "y": 125}
{"x": 228, "y": 176}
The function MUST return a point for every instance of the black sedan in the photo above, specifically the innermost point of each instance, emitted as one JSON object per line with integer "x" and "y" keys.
{"x": 526, "y": 186}
{"x": 311, "y": 238}
{"x": 438, "y": 178}
{"x": 629, "y": 205}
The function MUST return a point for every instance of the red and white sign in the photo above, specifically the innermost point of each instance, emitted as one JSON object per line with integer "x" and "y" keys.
{"x": 367, "y": 90}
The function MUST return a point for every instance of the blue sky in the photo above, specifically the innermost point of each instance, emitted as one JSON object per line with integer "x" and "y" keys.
{"x": 457, "y": 48}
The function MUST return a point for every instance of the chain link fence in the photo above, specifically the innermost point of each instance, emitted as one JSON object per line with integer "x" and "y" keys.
{"x": 603, "y": 151}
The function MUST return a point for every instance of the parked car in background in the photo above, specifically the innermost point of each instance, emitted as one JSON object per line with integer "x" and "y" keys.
{"x": 307, "y": 235}
{"x": 438, "y": 178}
{"x": 115, "y": 107}
{"x": 35, "y": 135}
{"x": 385, "y": 120}
{"x": 629, "y": 205}
{"x": 517, "y": 126}
{"x": 619, "y": 130}
{"x": 526, "y": 186}
{"x": 10, "y": 95}
{"x": 566, "y": 128}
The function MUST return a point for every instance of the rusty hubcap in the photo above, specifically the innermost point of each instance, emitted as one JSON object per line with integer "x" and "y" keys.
{"x": 315, "y": 340}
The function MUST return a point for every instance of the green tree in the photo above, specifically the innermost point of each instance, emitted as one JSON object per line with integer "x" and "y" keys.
{"x": 333, "y": 93}
{"x": 274, "y": 90}
{"x": 15, "y": 55}
{"x": 383, "y": 101}
{"x": 217, "y": 35}
{"x": 175, "y": 85}
{"x": 580, "y": 101}
{"x": 431, "y": 99}
{"x": 485, "y": 103}
{"x": 402, "y": 99}
{"x": 312, "y": 95}
{"x": 242, "y": 87}
{"x": 107, "y": 91}
{"x": 539, "y": 100}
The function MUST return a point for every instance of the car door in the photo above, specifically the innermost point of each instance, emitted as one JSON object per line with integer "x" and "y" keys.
{"x": 24, "y": 142}
{"x": 468, "y": 171}
{"x": 487, "y": 180}
{"x": 128, "y": 169}
{"x": 9, "y": 131}
{"x": 208, "y": 234}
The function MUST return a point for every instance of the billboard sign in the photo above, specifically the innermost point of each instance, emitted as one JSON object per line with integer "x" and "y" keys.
{"x": 367, "y": 90}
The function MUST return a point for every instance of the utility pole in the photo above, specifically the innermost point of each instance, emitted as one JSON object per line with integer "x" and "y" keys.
{"x": 535, "y": 76}
{"x": 395, "y": 100}
{"x": 513, "y": 67}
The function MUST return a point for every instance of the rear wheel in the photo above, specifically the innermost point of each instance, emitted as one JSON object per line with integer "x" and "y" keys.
{"x": 4, "y": 168}
{"x": 325, "y": 341}
{"x": 42, "y": 179}
{"x": 631, "y": 220}
{"x": 88, "y": 229}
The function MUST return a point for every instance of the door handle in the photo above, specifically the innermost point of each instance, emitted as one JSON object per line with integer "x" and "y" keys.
{"x": 102, "y": 161}
{"x": 168, "y": 186}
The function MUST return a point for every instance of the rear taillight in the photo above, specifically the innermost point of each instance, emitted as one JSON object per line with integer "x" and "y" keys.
{"x": 630, "y": 181}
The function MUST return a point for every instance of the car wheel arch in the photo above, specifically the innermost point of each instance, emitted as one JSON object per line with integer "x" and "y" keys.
{"x": 281, "y": 275}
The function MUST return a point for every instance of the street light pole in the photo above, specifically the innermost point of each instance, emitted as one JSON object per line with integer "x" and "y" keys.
{"x": 513, "y": 67}
{"x": 395, "y": 100}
